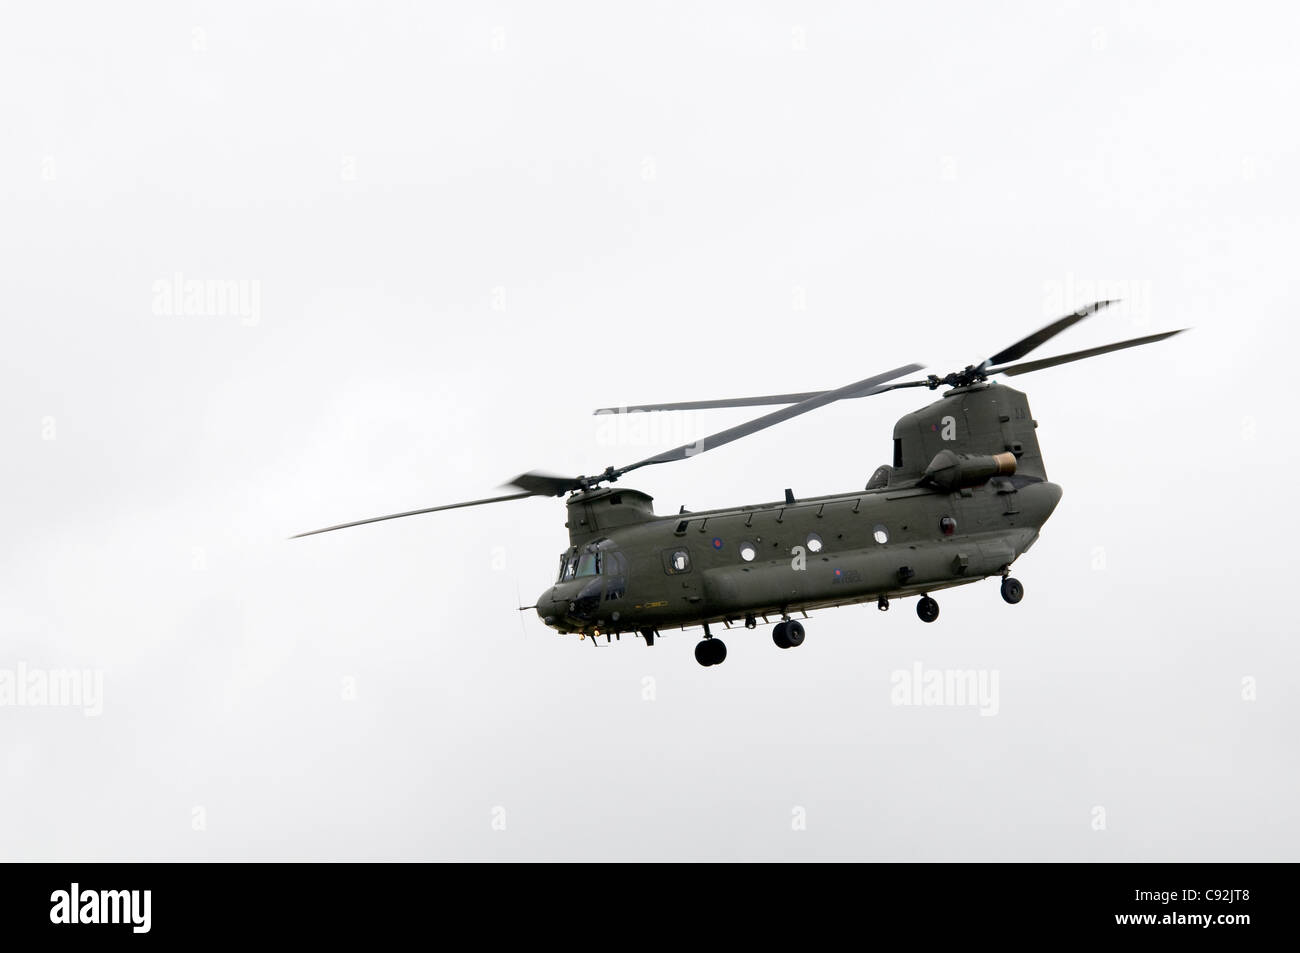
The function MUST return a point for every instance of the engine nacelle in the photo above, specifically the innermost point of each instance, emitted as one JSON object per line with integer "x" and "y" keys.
{"x": 950, "y": 470}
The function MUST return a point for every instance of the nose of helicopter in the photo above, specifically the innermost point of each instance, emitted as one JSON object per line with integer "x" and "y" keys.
{"x": 570, "y": 606}
{"x": 553, "y": 605}
{"x": 548, "y": 608}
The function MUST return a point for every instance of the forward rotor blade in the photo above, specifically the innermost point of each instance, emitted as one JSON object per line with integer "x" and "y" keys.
{"x": 1011, "y": 370}
{"x": 857, "y": 389}
{"x": 545, "y": 484}
{"x": 1045, "y": 334}
{"x": 431, "y": 509}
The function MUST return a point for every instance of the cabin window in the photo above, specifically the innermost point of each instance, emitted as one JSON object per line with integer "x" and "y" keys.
{"x": 880, "y": 534}
{"x": 947, "y": 526}
{"x": 814, "y": 543}
{"x": 677, "y": 560}
{"x": 747, "y": 551}
{"x": 898, "y": 453}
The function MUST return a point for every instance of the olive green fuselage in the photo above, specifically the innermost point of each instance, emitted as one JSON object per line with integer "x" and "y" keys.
{"x": 645, "y": 590}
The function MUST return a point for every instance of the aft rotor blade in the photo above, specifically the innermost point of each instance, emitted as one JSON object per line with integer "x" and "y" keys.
{"x": 762, "y": 401}
{"x": 431, "y": 509}
{"x": 1011, "y": 370}
{"x": 715, "y": 404}
{"x": 856, "y": 389}
{"x": 1045, "y": 334}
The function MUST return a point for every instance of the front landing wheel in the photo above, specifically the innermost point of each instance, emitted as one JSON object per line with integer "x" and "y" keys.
{"x": 1012, "y": 590}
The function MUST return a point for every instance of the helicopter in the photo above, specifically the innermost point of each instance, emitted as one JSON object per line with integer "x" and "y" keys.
{"x": 964, "y": 497}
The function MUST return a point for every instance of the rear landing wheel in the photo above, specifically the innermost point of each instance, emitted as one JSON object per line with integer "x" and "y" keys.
{"x": 788, "y": 634}
{"x": 794, "y": 633}
{"x": 1012, "y": 590}
{"x": 927, "y": 610}
{"x": 711, "y": 652}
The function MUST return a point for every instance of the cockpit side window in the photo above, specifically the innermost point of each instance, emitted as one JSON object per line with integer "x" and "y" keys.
{"x": 589, "y": 565}
{"x": 614, "y": 569}
{"x": 564, "y": 564}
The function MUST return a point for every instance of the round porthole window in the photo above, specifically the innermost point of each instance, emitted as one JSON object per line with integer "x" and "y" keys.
{"x": 814, "y": 543}
{"x": 880, "y": 534}
{"x": 747, "y": 551}
{"x": 947, "y": 526}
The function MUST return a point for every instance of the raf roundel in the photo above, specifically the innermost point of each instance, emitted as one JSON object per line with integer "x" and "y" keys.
{"x": 717, "y": 542}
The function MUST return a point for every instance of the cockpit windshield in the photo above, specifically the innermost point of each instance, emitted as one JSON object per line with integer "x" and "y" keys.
{"x": 601, "y": 561}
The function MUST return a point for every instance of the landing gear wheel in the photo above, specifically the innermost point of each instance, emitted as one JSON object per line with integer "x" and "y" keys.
{"x": 1012, "y": 590}
{"x": 711, "y": 652}
{"x": 780, "y": 636}
{"x": 794, "y": 633}
{"x": 927, "y": 610}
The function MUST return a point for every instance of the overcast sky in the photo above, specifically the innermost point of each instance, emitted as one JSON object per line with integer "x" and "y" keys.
{"x": 455, "y": 229}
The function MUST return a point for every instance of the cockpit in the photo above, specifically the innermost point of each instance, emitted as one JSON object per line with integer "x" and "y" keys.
{"x": 598, "y": 572}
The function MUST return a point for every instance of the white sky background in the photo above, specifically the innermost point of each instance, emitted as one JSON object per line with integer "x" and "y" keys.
{"x": 653, "y": 187}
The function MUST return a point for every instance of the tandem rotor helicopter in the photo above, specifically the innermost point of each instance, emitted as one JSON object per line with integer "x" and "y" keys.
{"x": 965, "y": 497}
